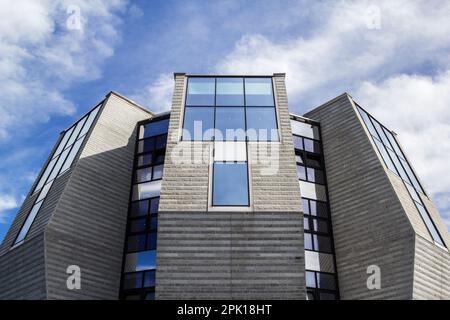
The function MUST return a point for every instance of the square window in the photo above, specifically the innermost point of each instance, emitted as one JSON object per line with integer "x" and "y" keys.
{"x": 298, "y": 142}
{"x": 132, "y": 280}
{"x": 326, "y": 281}
{"x": 138, "y": 225}
{"x": 143, "y": 175}
{"x": 230, "y": 123}
{"x": 139, "y": 208}
{"x": 261, "y": 124}
{"x": 200, "y": 92}
{"x": 230, "y": 184}
{"x": 136, "y": 243}
{"x": 198, "y": 123}
{"x": 230, "y": 92}
{"x": 145, "y": 159}
{"x": 311, "y": 145}
{"x": 258, "y": 92}
{"x": 322, "y": 244}
{"x": 146, "y": 145}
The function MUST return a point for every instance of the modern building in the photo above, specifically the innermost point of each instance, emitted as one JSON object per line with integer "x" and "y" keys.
{"x": 227, "y": 196}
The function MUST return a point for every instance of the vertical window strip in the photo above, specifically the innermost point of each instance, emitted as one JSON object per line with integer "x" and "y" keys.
{"x": 394, "y": 159}
{"x": 56, "y": 166}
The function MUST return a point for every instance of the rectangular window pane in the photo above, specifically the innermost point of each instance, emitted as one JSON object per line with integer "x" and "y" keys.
{"x": 262, "y": 124}
{"x": 198, "y": 123}
{"x": 145, "y": 159}
{"x": 139, "y": 208}
{"x": 311, "y": 145}
{"x": 136, "y": 243}
{"x": 149, "y": 279}
{"x": 230, "y": 184}
{"x": 132, "y": 280}
{"x": 143, "y": 175}
{"x": 258, "y": 92}
{"x": 154, "y": 128}
{"x": 89, "y": 121}
{"x": 161, "y": 142}
{"x": 154, "y": 223}
{"x": 385, "y": 156}
{"x": 230, "y": 123}
{"x": 73, "y": 153}
{"x": 318, "y": 209}
{"x": 154, "y": 206}
{"x": 59, "y": 164}
{"x": 63, "y": 142}
{"x": 158, "y": 172}
{"x": 28, "y": 222}
{"x": 151, "y": 241}
{"x": 305, "y": 129}
{"x": 326, "y": 281}
{"x": 320, "y": 226}
{"x": 298, "y": 142}
{"x": 46, "y": 173}
{"x": 200, "y": 92}
{"x": 301, "y": 173}
{"x": 230, "y": 92}
{"x": 76, "y": 132}
{"x": 322, "y": 244}
{"x": 146, "y": 145}
{"x": 138, "y": 261}
{"x": 138, "y": 225}
{"x": 308, "y": 241}
{"x": 394, "y": 144}
{"x": 305, "y": 205}
{"x": 310, "y": 279}
{"x": 429, "y": 223}
{"x": 368, "y": 123}
{"x": 306, "y": 223}
{"x": 315, "y": 175}
{"x": 146, "y": 190}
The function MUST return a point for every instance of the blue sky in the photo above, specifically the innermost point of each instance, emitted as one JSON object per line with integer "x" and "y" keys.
{"x": 392, "y": 57}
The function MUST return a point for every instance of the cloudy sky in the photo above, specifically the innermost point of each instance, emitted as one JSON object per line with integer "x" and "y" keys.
{"x": 59, "y": 58}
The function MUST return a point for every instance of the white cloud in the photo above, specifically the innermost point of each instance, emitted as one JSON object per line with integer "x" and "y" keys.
{"x": 40, "y": 56}
{"x": 157, "y": 96}
{"x": 7, "y": 202}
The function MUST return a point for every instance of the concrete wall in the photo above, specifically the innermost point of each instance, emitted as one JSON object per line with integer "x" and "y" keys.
{"x": 369, "y": 223}
{"x": 250, "y": 254}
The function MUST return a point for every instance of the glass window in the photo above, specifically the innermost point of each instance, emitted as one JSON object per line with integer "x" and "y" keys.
{"x": 146, "y": 190}
{"x": 301, "y": 172}
{"x": 154, "y": 223}
{"x": 230, "y": 92}
{"x": 313, "y": 160}
{"x": 145, "y": 159}
{"x": 429, "y": 223}
{"x": 311, "y": 145}
{"x": 258, "y": 92}
{"x": 393, "y": 143}
{"x": 230, "y": 123}
{"x": 262, "y": 124}
{"x": 44, "y": 191}
{"x": 154, "y": 206}
{"x": 132, "y": 280}
{"x": 230, "y": 184}
{"x": 320, "y": 225}
{"x": 315, "y": 175}
{"x": 139, "y": 208}
{"x": 63, "y": 142}
{"x": 368, "y": 123}
{"x": 298, "y": 142}
{"x": 308, "y": 241}
{"x": 306, "y": 223}
{"x": 73, "y": 153}
{"x": 310, "y": 279}
{"x": 143, "y": 175}
{"x": 385, "y": 156}
{"x": 136, "y": 243}
{"x": 161, "y": 142}
{"x": 322, "y": 244}
{"x": 200, "y": 92}
{"x": 138, "y": 225}
{"x": 139, "y": 261}
{"x": 305, "y": 205}
{"x": 149, "y": 279}
{"x": 158, "y": 172}
{"x": 326, "y": 281}
{"x": 318, "y": 208}
{"x": 89, "y": 121}
{"x": 154, "y": 128}
{"x": 305, "y": 129}
{"x": 46, "y": 173}
{"x": 59, "y": 164}
{"x": 198, "y": 123}
{"x": 28, "y": 222}
{"x": 75, "y": 133}
{"x": 146, "y": 145}
{"x": 151, "y": 241}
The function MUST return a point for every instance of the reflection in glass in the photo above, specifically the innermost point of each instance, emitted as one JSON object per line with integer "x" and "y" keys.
{"x": 258, "y": 92}
{"x": 261, "y": 124}
{"x": 230, "y": 123}
{"x": 196, "y": 122}
{"x": 200, "y": 92}
{"x": 230, "y": 92}
{"x": 230, "y": 184}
